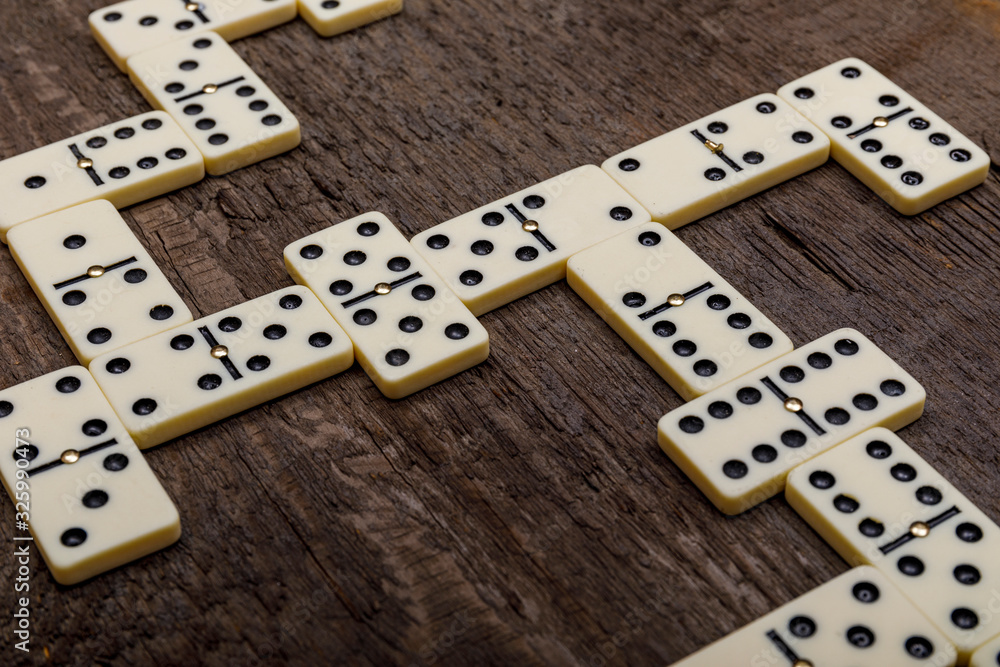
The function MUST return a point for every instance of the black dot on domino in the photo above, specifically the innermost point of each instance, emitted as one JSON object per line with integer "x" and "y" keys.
{"x": 628, "y": 164}
{"x": 865, "y": 402}
{"x": 684, "y": 348}
{"x": 341, "y": 287}
{"x": 919, "y": 647}
{"x": 257, "y": 105}
{"x": 911, "y": 566}
{"x": 819, "y": 360}
{"x": 967, "y": 575}
{"x": 802, "y": 626}
{"x": 411, "y": 324}
{"x": 792, "y": 374}
{"x": 311, "y": 251}
{"x": 481, "y": 248}
{"x": 258, "y": 363}
{"x": 837, "y": 416}
{"x": 118, "y": 366}
{"x": 94, "y": 499}
{"x": 719, "y": 302}
{"x": 871, "y": 528}
{"x": 218, "y": 139}
{"x": 748, "y": 396}
{"x": 230, "y": 324}
{"x": 871, "y": 145}
{"x": 34, "y": 182}
{"x": 850, "y": 72}
{"x": 320, "y": 339}
{"x": 94, "y": 427}
{"x": 534, "y": 202}
{"x": 492, "y": 219}
{"x": 397, "y": 357}
{"x": 526, "y": 253}
{"x": 355, "y": 258}
{"x": 649, "y": 239}
{"x": 738, "y": 321}
{"x": 188, "y": 65}
{"x": 928, "y": 495}
{"x": 99, "y": 336}
{"x": 691, "y": 424}
{"x": 793, "y": 438}
{"x": 802, "y": 137}
{"x": 74, "y": 297}
{"x": 209, "y": 381}
{"x": 634, "y": 300}
{"x": 664, "y": 329}
{"x": 290, "y": 301}
{"x": 720, "y": 410}
{"x": 804, "y": 93}
{"x": 705, "y": 368}
{"x": 456, "y": 331}
{"x": 161, "y": 312}
{"x": 766, "y": 107}
{"x": 821, "y": 479}
{"x": 275, "y": 332}
{"x": 398, "y": 264}
{"x": 6, "y": 407}
{"x": 621, "y": 213}
{"x": 969, "y": 532}
{"x": 438, "y": 242}
{"x": 866, "y": 592}
{"x": 903, "y": 472}
{"x": 718, "y": 127}
{"x": 846, "y": 504}
{"x": 423, "y": 293}
{"x": 365, "y": 317}
{"x": 715, "y": 174}
{"x": 764, "y": 453}
{"x": 841, "y": 122}
{"x": 735, "y": 469}
{"x": 115, "y": 462}
{"x": 181, "y": 342}
{"x": 878, "y": 449}
{"x": 892, "y": 388}
{"x": 73, "y": 537}
{"x": 860, "y": 636}
{"x": 470, "y": 278}
{"x": 74, "y": 242}
{"x": 965, "y": 619}
{"x": 68, "y": 384}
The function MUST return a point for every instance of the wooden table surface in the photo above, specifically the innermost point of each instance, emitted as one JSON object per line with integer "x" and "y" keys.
{"x": 520, "y": 513}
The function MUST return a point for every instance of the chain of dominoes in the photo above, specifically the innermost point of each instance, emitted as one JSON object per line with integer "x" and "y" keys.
{"x": 761, "y": 416}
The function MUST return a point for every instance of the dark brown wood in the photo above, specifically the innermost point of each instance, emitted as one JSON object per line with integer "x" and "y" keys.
{"x": 520, "y": 513}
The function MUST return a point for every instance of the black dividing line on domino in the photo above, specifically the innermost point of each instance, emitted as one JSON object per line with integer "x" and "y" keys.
{"x": 226, "y": 361}
{"x": 777, "y": 391}
{"x": 933, "y": 523}
{"x": 721, "y": 155}
{"x": 196, "y": 93}
{"x": 537, "y": 233}
{"x": 109, "y": 267}
{"x": 783, "y": 646}
{"x": 871, "y": 126}
{"x": 371, "y": 295}
{"x": 197, "y": 12}
{"x": 666, "y": 305}
{"x": 83, "y": 452}
{"x": 90, "y": 170}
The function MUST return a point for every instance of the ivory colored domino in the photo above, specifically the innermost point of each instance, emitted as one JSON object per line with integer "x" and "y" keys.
{"x": 127, "y": 28}
{"x": 716, "y": 161}
{"x": 409, "y": 330}
{"x": 180, "y": 380}
{"x": 738, "y": 442}
{"x": 92, "y": 501}
{"x": 125, "y": 162}
{"x": 683, "y": 318}
{"x": 333, "y": 17}
{"x": 516, "y": 245}
{"x": 987, "y": 655}
{"x": 97, "y": 282}
{"x": 228, "y": 111}
{"x": 858, "y": 619}
{"x": 875, "y": 501}
{"x": 892, "y": 143}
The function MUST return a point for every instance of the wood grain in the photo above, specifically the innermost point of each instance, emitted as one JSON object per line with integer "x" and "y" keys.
{"x": 520, "y": 513}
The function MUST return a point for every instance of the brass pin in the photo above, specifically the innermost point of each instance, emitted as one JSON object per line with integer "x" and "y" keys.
{"x": 676, "y": 300}
{"x": 95, "y": 271}
{"x": 209, "y": 88}
{"x": 70, "y": 456}
{"x": 802, "y": 663}
{"x": 85, "y": 163}
{"x": 383, "y": 288}
{"x": 794, "y": 405}
{"x": 880, "y": 121}
{"x": 192, "y": 6}
{"x": 714, "y": 147}
{"x": 530, "y": 226}
{"x": 220, "y": 351}
{"x": 920, "y": 529}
